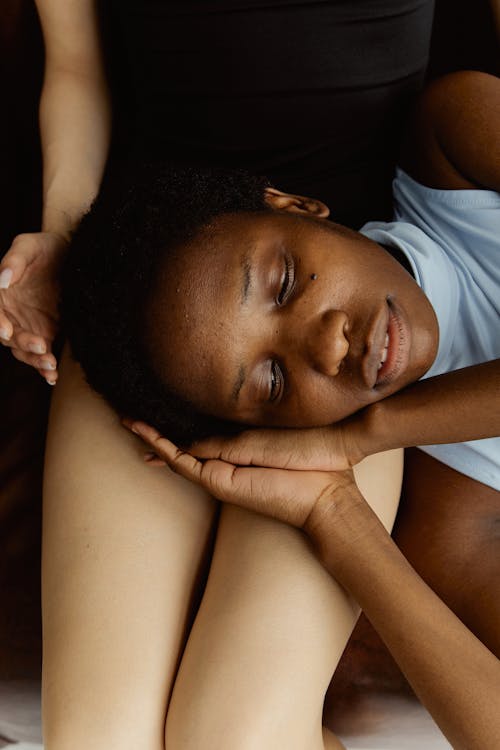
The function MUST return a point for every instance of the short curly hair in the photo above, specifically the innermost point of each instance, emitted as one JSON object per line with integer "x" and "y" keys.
{"x": 136, "y": 222}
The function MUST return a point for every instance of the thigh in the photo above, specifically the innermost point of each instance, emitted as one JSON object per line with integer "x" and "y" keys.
{"x": 125, "y": 548}
{"x": 447, "y": 527}
{"x": 270, "y": 630}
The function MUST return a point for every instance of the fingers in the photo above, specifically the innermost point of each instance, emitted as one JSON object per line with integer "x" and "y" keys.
{"x": 165, "y": 451}
{"x": 46, "y": 365}
{"x": 286, "y": 495}
{"x": 286, "y": 449}
{"x": 16, "y": 338}
{"x": 250, "y": 448}
{"x": 6, "y": 328}
{"x": 30, "y": 343}
{"x": 6, "y": 275}
{"x": 23, "y": 311}
{"x": 153, "y": 460}
{"x": 29, "y": 349}
{"x": 163, "y": 447}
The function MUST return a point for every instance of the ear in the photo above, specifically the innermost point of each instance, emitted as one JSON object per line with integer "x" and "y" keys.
{"x": 297, "y": 204}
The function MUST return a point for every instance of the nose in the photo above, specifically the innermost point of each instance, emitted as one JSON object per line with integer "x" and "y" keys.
{"x": 326, "y": 344}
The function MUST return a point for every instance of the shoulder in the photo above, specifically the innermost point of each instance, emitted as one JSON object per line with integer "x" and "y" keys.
{"x": 445, "y": 143}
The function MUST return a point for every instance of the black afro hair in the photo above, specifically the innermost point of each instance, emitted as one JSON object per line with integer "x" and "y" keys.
{"x": 138, "y": 219}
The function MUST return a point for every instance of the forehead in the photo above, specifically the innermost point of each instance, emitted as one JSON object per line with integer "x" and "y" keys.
{"x": 193, "y": 313}
{"x": 220, "y": 255}
{"x": 218, "y": 262}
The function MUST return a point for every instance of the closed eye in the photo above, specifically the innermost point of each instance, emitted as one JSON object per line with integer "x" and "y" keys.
{"x": 288, "y": 281}
{"x": 277, "y": 382}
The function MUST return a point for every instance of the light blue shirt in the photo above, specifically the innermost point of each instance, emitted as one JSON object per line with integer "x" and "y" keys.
{"x": 452, "y": 241}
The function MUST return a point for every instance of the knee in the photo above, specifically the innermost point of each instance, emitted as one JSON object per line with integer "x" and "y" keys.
{"x": 81, "y": 743}
{"x": 219, "y": 732}
{"x": 237, "y": 728}
{"x": 125, "y": 737}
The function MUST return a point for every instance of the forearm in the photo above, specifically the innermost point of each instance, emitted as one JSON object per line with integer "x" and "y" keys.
{"x": 451, "y": 671}
{"x": 75, "y": 129}
{"x": 495, "y": 9}
{"x": 457, "y": 406}
{"x": 74, "y": 111}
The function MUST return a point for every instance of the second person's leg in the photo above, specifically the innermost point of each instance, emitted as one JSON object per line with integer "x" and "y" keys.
{"x": 269, "y": 633}
{"x": 125, "y": 548}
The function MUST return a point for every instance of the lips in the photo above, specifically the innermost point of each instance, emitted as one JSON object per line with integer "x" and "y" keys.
{"x": 396, "y": 353}
{"x": 387, "y": 347}
{"x": 383, "y": 356}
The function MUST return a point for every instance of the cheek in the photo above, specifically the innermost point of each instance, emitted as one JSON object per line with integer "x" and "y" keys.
{"x": 317, "y": 403}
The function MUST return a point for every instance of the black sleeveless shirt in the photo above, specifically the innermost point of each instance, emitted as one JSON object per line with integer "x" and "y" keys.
{"x": 312, "y": 93}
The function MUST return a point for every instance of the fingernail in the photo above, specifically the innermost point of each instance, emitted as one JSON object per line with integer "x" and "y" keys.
{"x": 37, "y": 348}
{"x": 51, "y": 382}
{"x": 4, "y": 334}
{"x": 5, "y": 278}
{"x": 47, "y": 365}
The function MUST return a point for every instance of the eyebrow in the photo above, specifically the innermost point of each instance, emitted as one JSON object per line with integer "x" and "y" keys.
{"x": 247, "y": 278}
{"x": 246, "y": 267}
{"x": 238, "y": 383}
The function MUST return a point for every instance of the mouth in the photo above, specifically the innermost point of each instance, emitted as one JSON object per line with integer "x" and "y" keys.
{"x": 388, "y": 347}
{"x": 396, "y": 353}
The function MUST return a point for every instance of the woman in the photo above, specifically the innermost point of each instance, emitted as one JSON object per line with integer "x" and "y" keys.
{"x": 138, "y": 558}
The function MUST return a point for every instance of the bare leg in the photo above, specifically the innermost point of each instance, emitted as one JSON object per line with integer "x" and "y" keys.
{"x": 269, "y": 633}
{"x": 124, "y": 549}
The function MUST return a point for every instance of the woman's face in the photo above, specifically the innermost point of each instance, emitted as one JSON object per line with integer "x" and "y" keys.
{"x": 279, "y": 318}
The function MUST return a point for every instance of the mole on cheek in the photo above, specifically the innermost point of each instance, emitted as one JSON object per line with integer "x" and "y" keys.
{"x": 314, "y": 276}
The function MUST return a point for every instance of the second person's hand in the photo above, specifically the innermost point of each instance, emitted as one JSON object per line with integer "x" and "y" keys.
{"x": 29, "y": 297}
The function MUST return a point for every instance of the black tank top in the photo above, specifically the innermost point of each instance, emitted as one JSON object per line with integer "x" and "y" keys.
{"x": 311, "y": 93}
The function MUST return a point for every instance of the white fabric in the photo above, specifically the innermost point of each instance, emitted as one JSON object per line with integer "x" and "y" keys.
{"x": 375, "y": 721}
{"x": 20, "y": 711}
{"x": 452, "y": 240}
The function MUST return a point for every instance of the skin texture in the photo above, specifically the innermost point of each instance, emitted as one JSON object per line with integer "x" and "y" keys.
{"x": 124, "y": 543}
{"x": 460, "y": 561}
{"x": 79, "y": 644}
{"x": 119, "y": 541}
{"x": 295, "y": 333}
{"x": 360, "y": 556}
{"x": 75, "y": 126}
{"x": 424, "y": 636}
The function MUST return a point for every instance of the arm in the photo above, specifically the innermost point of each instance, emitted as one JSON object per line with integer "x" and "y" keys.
{"x": 74, "y": 112}
{"x": 454, "y": 143}
{"x": 453, "y": 673}
{"x": 453, "y": 407}
{"x": 450, "y": 408}
{"x": 454, "y": 139}
{"x": 455, "y": 676}
{"x": 75, "y": 131}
